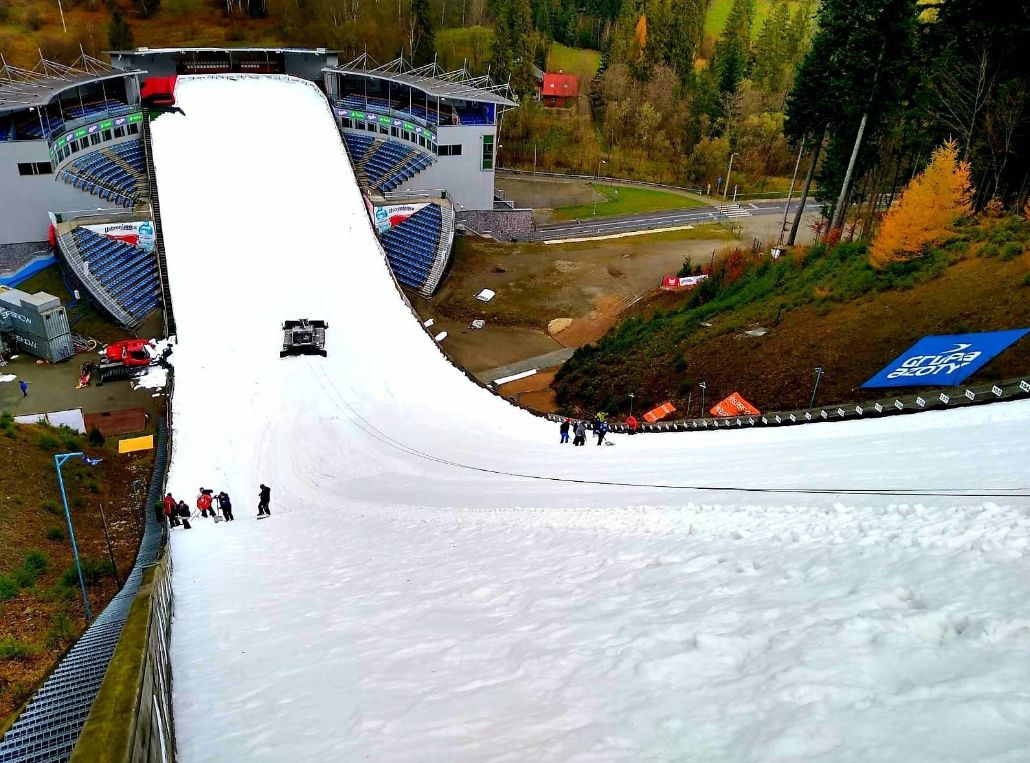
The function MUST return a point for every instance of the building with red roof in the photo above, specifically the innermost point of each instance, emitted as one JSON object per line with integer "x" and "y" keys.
{"x": 559, "y": 89}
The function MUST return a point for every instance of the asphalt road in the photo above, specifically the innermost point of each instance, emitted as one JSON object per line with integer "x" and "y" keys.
{"x": 669, "y": 218}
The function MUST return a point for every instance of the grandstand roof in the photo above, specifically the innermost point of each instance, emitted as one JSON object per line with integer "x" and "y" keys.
{"x": 28, "y": 88}
{"x": 143, "y": 51}
{"x": 431, "y": 79}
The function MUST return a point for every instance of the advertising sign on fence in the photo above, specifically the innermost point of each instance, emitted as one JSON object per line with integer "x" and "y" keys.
{"x": 682, "y": 282}
{"x": 394, "y": 214}
{"x": 138, "y": 234}
{"x": 734, "y": 405}
{"x": 660, "y": 412}
{"x": 944, "y": 360}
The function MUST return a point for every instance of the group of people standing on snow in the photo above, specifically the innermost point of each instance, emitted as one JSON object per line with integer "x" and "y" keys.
{"x": 599, "y": 426}
{"x": 218, "y": 506}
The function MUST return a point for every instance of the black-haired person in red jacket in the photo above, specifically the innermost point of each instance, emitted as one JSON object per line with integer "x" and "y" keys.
{"x": 204, "y": 502}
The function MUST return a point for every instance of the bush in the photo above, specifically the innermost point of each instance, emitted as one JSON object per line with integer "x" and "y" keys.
{"x": 5, "y": 11}
{"x": 61, "y": 631}
{"x": 13, "y": 649}
{"x": 51, "y": 507}
{"x": 1011, "y": 250}
{"x": 55, "y": 534}
{"x": 8, "y": 587}
{"x": 93, "y": 487}
{"x": 96, "y": 437}
{"x": 71, "y": 442}
{"x": 48, "y": 442}
{"x": 92, "y": 572}
{"x": 36, "y": 562}
{"x": 33, "y": 20}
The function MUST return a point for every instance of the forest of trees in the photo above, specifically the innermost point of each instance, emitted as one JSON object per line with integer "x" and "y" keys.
{"x": 867, "y": 89}
{"x": 888, "y": 81}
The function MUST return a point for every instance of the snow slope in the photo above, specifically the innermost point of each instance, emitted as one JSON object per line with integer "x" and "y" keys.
{"x": 403, "y": 603}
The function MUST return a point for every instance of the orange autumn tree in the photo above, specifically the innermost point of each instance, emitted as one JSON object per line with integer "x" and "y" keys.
{"x": 926, "y": 210}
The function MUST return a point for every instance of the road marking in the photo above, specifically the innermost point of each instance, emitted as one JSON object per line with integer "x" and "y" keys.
{"x": 753, "y": 205}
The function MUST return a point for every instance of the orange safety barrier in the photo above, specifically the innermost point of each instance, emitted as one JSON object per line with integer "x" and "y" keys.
{"x": 660, "y": 412}
{"x": 734, "y": 405}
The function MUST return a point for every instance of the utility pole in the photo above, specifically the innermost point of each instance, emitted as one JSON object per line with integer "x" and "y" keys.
{"x": 726, "y": 188}
{"x": 805, "y": 189}
{"x": 790, "y": 194}
{"x": 818, "y": 376}
{"x": 597, "y": 178}
{"x": 703, "y": 386}
{"x": 110, "y": 550}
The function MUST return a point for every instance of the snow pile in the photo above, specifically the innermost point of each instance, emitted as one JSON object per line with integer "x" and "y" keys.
{"x": 412, "y": 598}
{"x": 7, "y": 378}
{"x": 156, "y": 377}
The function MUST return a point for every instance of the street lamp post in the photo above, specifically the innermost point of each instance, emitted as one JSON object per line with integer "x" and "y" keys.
{"x": 59, "y": 460}
{"x": 631, "y": 396}
{"x": 726, "y": 188}
{"x": 597, "y": 178}
{"x": 818, "y": 376}
{"x": 703, "y": 386}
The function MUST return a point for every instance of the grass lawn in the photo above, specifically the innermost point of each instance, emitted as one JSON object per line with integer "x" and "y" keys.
{"x": 579, "y": 61}
{"x": 625, "y": 201}
{"x": 720, "y": 11}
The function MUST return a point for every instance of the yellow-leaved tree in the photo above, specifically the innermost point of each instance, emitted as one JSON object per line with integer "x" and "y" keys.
{"x": 926, "y": 210}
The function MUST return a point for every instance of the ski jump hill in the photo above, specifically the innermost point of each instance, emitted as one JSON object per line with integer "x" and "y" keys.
{"x": 440, "y": 580}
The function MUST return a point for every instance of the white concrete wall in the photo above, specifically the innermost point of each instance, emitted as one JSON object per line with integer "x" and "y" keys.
{"x": 25, "y": 200}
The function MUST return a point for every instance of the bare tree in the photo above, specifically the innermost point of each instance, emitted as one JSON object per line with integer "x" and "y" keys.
{"x": 963, "y": 92}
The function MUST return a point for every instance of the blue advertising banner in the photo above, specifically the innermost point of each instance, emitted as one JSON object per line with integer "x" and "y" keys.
{"x": 944, "y": 360}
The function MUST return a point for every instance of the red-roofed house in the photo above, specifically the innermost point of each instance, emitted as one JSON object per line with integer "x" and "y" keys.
{"x": 559, "y": 89}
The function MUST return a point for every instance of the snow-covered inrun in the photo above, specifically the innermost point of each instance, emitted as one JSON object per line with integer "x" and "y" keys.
{"x": 401, "y": 606}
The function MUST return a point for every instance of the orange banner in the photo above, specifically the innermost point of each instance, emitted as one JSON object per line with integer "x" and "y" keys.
{"x": 734, "y": 405}
{"x": 660, "y": 412}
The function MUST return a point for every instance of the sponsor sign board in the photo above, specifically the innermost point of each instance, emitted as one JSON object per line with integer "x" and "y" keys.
{"x": 682, "y": 282}
{"x": 138, "y": 234}
{"x": 391, "y": 215}
{"x": 734, "y": 405}
{"x": 133, "y": 444}
{"x": 944, "y": 360}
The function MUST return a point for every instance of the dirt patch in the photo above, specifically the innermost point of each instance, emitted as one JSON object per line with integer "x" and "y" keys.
{"x": 533, "y": 392}
{"x": 589, "y": 328}
{"x": 44, "y": 617}
{"x": 491, "y": 347}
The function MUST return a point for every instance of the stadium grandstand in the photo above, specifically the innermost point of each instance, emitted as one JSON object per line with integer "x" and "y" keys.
{"x": 416, "y": 136}
{"x": 422, "y": 142}
{"x": 75, "y": 182}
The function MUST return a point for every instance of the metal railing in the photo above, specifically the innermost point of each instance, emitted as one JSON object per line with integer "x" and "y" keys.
{"x": 938, "y": 399}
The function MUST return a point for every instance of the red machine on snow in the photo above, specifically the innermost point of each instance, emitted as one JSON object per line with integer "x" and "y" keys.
{"x": 120, "y": 360}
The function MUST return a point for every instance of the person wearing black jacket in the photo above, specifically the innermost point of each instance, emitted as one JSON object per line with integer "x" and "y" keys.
{"x": 184, "y": 511}
{"x": 564, "y": 430}
{"x": 226, "y": 504}
{"x": 264, "y": 498}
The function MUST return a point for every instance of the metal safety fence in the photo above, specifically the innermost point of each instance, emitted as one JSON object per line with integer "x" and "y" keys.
{"x": 939, "y": 399}
{"x": 49, "y": 726}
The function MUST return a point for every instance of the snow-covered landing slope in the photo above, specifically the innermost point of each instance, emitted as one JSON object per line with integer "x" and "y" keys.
{"x": 401, "y": 606}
